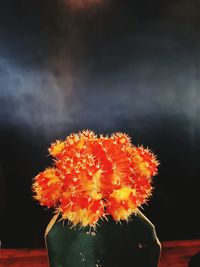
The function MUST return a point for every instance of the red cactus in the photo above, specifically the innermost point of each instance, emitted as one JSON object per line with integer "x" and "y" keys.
{"x": 94, "y": 177}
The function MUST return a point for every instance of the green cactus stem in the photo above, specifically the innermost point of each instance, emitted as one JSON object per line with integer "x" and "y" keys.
{"x": 125, "y": 244}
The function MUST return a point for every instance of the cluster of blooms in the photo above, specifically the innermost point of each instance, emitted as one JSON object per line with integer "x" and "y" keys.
{"x": 94, "y": 177}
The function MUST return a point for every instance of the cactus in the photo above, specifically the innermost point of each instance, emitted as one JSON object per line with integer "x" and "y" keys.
{"x": 95, "y": 179}
{"x": 132, "y": 244}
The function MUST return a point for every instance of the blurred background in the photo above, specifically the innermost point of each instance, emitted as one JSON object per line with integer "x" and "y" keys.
{"x": 104, "y": 65}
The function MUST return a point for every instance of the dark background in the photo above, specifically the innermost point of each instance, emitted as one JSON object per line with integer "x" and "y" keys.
{"x": 131, "y": 66}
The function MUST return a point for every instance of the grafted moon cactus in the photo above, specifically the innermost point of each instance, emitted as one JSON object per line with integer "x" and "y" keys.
{"x": 95, "y": 179}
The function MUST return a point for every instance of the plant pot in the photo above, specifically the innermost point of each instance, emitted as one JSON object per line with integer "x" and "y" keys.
{"x": 124, "y": 244}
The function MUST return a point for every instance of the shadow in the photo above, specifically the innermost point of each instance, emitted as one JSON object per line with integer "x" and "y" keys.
{"x": 195, "y": 261}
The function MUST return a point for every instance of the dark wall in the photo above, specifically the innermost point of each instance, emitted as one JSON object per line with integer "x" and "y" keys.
{"x": 107, "y": 66}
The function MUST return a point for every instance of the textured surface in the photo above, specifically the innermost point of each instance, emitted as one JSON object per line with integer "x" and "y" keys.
{"x": 174, "y": 253}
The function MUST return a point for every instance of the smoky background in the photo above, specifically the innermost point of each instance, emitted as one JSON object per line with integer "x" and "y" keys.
{"x": 107, "y": 66}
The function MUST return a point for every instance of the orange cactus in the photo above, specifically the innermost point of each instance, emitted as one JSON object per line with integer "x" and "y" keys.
{"x": 94, "y": 177}
{"x": 47, "y": 187}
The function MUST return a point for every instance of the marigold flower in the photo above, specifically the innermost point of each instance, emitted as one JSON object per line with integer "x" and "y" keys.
{"x": 94, "y": 177}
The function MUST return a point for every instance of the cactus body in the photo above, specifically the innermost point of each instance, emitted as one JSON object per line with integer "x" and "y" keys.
{"x": 125, "y": 244}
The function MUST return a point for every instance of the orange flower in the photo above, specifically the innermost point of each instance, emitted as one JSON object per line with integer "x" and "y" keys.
{"x": 94, "y": 177}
